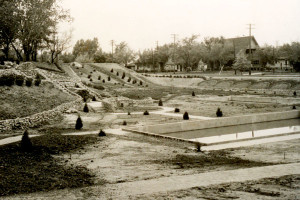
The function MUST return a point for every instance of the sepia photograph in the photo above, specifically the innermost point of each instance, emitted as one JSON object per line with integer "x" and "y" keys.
{"x": 149, "y": 99}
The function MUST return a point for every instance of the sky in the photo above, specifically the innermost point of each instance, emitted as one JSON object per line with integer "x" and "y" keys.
{"x": 142, "y": 23}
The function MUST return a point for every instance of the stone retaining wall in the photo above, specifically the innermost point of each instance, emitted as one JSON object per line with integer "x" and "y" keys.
{"x": 38, "y": 118}
{"x": 218, "y": 122}
{"x": 285, "y": 101}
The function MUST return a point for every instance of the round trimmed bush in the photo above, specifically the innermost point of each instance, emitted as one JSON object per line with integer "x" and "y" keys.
{"x": 37, "y": 82}
{"x": 78, "y": 124}
{"x": 177, "y": 110}
{"x": 19, "y": 80}
{"x": 186, "y": 116}
{"x": 160, "y": 103}
{"x": 28, "y": 82}
{"x": 7, "y": 80}
{"x": 219, "y": 113}
{"x": 146, "y": 112}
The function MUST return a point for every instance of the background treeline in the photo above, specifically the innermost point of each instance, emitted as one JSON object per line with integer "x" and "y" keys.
{"x": 29, "y": 32}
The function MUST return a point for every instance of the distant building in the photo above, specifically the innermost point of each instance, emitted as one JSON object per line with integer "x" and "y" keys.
{"x": 244, "y": 44}
{"x": 171, "y": 66}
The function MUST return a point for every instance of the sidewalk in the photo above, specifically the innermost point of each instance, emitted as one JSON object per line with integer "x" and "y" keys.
{"x": 174, "y": 183}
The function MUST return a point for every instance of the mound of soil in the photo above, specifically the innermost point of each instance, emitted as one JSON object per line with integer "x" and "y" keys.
{"x": 23, "y": 101}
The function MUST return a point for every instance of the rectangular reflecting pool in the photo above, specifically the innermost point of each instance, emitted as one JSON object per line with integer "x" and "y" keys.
{"x": 239, "y": 132}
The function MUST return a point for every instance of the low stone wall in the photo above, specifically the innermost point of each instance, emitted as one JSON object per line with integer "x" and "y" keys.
{"x": 286, "y": 101}
{"x": 38, "y": 118}
{"x": 218, "y": 122}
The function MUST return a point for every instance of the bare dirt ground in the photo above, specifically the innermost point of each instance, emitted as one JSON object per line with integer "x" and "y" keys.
{"x": 198, "y": 106}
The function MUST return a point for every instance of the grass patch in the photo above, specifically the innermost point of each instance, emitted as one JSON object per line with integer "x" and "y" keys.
{"x": 212, "y": 160}
{"x": 38, "y": 170}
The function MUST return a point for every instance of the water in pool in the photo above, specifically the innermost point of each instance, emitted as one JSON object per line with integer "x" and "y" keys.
{"x": 246, "y": 131}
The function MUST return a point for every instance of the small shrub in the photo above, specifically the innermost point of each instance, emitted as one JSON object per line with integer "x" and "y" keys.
{"x": 117, "y": 73}
{"x": 129, "y": 113}
{"x": 99, "y": 77}
{"x": 91, "y": 80}
{"x": 141, "y": 82}
{"x": 37, "y": 82}
{"x": 193, "y": 93}
{"x": 295, "y": 93}
{"x": 123, "y": 76}
{"x": 186, "y": 116}
{"x": 108, "y": 78}
{"x": 85, "y": 108}
{"x": 146, "y": 112}
{"x": 294, "y": 107}
{"x": 78, "y": 124}
{"x": 219, "y": 113}
{"x": 7, "y": 80}
{"x": 26, "y": 144}
{"x": 177, "y": 110}
{"x": 89, "y": 76}
{"x": 101, "y": 133}
{"x": 112, "y": 70}
{"x": 124, "y": 123}
{"x": 84, "y": 99}
{"x": 20, "y": 80}
{"x": 122, "y": 105}
{"x": 103, "y": 81}
{"x": 28, "y": 82}
{"x": 94, "y": 98}
{"x": 160, "y": 103}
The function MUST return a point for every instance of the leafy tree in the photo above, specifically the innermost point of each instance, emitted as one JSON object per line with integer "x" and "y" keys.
{"x": 86, "y": 47}
{"x": 292, "y": 53}
{"x": 267, "y": 54}
{"x": 9, "y": 25}
{"x": 241, "y": 62}
{"x": 219, "y": 113}
{"x": 100, "y": 57}
{"x": 123, "y": 54}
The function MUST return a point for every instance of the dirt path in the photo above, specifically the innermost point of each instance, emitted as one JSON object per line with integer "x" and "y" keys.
{"x": 204, "y": 179}
{"x": 128, "y": 190}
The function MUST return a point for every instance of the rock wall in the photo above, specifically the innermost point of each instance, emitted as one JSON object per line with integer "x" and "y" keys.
{"x": 38, "y": 118}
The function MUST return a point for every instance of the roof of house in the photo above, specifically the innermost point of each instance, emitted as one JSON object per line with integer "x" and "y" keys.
{"x": 242, "y": 42}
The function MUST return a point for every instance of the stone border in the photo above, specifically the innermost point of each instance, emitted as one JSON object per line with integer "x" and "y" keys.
{"x": 38, "y": 118}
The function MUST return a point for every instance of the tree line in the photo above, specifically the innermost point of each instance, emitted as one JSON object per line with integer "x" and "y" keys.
{"x": 188, "y": 52}
{"x": 29, "y": 32}
{"x": 28, "y": 27}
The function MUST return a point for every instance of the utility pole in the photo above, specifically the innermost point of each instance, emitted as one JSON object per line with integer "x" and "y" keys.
{"x": 156, "y": 45}
{"x": 250, "y": 50}
{"x": 112, "y": 50}
{"x": 174, "y": 41}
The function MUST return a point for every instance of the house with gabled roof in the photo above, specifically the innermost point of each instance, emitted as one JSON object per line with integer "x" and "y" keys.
{"x": 247, "y": 44}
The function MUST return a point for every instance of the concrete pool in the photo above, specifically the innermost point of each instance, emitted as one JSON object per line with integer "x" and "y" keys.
{"x": 227, "y": 130}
